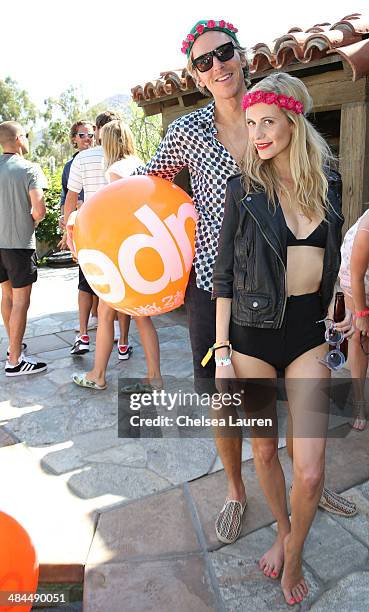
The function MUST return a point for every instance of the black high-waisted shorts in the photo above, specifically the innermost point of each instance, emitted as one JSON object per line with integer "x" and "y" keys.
{"x": 299, "y": 333}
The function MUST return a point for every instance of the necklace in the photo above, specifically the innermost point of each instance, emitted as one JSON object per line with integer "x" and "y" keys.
{"x": 234, "y": 142}
{"x": 237, "y": 152}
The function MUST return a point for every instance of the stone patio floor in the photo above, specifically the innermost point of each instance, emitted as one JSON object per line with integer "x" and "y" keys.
{"x": 133, "y": 520}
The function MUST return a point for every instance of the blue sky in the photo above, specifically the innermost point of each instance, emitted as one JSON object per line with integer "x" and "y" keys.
{"x": 107, "y": 47}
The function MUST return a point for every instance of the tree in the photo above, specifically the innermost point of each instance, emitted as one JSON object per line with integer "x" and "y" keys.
{"x": 147, "y": 131}
{"x": 48, "y": 230}
{"x": 60, "y": 113}
{"x": 15, "y": 104}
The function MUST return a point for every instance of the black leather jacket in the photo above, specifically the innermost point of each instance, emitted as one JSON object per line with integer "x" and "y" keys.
{"x": 252, "y": 255}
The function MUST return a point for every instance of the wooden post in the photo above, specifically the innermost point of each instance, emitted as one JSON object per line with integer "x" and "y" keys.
{"x": 354, "y": 160}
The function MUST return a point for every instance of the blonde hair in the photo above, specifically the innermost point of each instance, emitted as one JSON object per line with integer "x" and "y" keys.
{"x": 309, "y": 154}
{"x": 242, "y": 52}
{"x": 117, "y": 141}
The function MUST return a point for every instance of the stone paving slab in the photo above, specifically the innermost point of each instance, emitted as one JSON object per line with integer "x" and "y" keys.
{"x": 60, "y": 525}
{"x": 147, "y": 529}
{"x": 180, "y": 460}
{"x": 123, "y": 482}
{"x": 242, "y": 584}
{"x": 5, "y": 438}
{"x": 71, "y": 454}
{"x": 358, "y": 525}
{"x": 331, "y": 551}
{"x": 171, "y": 585}
{"x": 350, "y": 593}
{"x": 347, "y": 461}
{"x": 47, "y": 342}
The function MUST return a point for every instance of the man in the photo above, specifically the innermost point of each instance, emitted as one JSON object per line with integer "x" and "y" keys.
{"x": 210, "y": 142}
{"x": 87, "y": 173}
{"x": 82, "y": 138}
{"x": 22, "y": 207}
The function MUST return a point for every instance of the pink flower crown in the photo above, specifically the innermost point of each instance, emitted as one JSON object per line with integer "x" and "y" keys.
{"x": 269, "y": 97}
{"x": 204, "y": 26}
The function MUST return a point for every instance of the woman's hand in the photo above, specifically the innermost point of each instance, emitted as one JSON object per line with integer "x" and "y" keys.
{"x": 222, "y": 376}
{"x": 347, "y": 325}
{"x": 362, "y": 324}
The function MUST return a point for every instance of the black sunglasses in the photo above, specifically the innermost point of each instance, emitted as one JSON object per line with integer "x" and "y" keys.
{"x": 83, "y": 135}
{"x": 203, "y": 63}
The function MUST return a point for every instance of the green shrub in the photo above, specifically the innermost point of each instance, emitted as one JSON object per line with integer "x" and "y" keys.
{"x": 48, "y": 230}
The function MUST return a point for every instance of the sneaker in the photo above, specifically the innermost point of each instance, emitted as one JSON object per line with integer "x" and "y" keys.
{"x": 116, "y": 331}
{"x": 26, "y": 365}
{"x": 92, "y": 322}
{"x": 24, "y": 348}
{"x": 81, "y": 345}
{"x": 124, "y": 351}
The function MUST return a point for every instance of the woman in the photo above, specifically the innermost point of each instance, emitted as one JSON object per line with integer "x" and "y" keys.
{"x": 354, "y": 280}
{"x": 283, "y": 212}
{"x": 120, "y": 160}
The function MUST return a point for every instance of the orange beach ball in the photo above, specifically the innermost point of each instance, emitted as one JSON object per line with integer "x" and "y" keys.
{"x": 135, "y": 244}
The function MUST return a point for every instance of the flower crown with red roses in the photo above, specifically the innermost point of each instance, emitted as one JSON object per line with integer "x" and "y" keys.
{"x": 269, "y": 97}
{"x": 207, "y": 25}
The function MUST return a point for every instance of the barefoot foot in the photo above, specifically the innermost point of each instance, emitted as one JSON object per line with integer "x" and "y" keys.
{"x": 293, "y": 584}
{"x": 271, "y": 562}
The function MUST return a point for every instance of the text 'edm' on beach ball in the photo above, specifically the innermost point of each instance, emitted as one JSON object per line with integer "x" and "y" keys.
{"x": 135, "y": 244}
{"x": 18, "y": 566}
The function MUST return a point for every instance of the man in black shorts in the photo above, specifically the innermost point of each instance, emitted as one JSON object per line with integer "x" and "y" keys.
{"x": 22, "y": 207}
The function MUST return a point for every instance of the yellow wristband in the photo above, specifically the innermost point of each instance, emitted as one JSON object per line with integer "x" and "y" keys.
{"x": 211, "y": 350}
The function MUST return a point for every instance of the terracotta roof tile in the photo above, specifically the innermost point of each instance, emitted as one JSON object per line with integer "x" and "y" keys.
{"x": 170, "y": 82}
{"x": 348, "y": 38}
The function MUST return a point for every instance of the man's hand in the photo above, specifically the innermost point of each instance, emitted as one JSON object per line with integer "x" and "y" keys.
{"x": 62, "y": 244}
{"x": 38, "y": 208}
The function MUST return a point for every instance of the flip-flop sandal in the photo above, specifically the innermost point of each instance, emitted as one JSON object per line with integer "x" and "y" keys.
{"x": 82, "y": 381}
{"x": 138, "y": 387}
{"x": 229, "y": 522}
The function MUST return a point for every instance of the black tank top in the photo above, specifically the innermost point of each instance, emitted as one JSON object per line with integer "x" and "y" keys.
{"x": 317, "y": 238}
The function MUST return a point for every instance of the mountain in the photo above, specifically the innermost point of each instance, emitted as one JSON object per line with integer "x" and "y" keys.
{"x": 118, "y": 102}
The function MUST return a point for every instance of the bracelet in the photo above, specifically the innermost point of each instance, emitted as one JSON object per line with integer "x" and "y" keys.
{"x": 360, "y": 314}
{"x": 209, "y": 354}
{"x": 222, "y": 361}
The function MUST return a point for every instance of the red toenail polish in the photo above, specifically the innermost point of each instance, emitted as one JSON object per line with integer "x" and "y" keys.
{"x": 274, "y": 573}
{"x": 292, "y": 601}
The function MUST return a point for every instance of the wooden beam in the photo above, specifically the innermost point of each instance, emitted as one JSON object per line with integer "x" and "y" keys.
{"x": 354, "y": 160}
{"x": 333, "y": 89}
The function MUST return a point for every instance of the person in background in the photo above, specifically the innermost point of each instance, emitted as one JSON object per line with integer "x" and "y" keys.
{"x": 354, "y": 281}
{"x": 120, "y": 161}
{"x": 87, "y": 173}
{"x": 22, "y": 207}
{"x": 82, "y": 138}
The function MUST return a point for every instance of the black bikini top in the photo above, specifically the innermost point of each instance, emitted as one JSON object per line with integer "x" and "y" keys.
{"x": 317, "y": 238}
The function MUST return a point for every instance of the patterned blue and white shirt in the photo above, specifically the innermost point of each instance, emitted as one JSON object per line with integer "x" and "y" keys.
{"x": 191, "y": 141}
